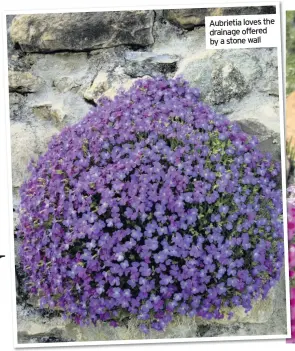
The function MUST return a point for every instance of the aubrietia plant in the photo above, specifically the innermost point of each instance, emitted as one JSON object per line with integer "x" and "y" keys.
{"x": 152, "y": 205}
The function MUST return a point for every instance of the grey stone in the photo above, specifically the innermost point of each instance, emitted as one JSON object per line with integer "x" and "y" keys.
{"x": 227, "y": 83}
{"x": 140, "y": 64}
{"x": 214, "y": 69}
{"x": 249, "y": 10}
{"x": 68, "y": 79}
{"x": 256, "y": 68}
{"x": 16, "y": 103}
{"x": 273, "y": 148}
{"x": 16, "y": 60}
{"x": 27, "y": 142}
{"x": 271, "y": 87}
{"x": 65, "y": 84}
{"x": 172, "y": 40}
{"x": 268, "y": 139}
{"x": 81, "y": 31}
{"x": 140, "y": 56}
{"x": 254, "y": 105}
{"x": 107, "y": 59}
{"x": 15, "y": 204}
{"x": 23, "y": 82}
{"x": 15, "y": 99}
{"x": 53, "y": 337}
{"x": 252, "y": 126}
{"x": 135, "y": 69}
{"x": 54, "y": 67}
{"x": 21, "y": 294}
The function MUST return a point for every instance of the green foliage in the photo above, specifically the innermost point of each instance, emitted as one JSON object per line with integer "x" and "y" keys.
{"x": 290, "y": 150}
{"x": 290, "y": 51}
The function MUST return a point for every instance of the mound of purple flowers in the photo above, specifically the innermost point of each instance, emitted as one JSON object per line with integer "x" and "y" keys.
{"x": 152, "y": 205}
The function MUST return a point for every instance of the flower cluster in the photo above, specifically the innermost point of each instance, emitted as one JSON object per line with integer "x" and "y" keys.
{"x": 152, "y": 205}
{"x": 291, "y": 235}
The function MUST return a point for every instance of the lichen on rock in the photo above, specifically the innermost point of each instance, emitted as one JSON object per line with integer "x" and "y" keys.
{"x": 23, "y": 82}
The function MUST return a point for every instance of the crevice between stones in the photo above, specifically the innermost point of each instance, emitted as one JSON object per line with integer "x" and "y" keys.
{"x": 134, "y": 47}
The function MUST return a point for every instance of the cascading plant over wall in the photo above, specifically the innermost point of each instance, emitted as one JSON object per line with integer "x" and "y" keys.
{"x": 152, "y": 205}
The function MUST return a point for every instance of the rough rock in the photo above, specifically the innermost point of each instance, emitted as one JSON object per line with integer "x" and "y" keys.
{"x": 16, "y": 103}
{"x": 190, "y": 18}
{"x": 54, "y": 67}
{"x": 270, "y": 69}
{"x": 174, "y": 41}
{"x": 271, "y": 87}
{"x": 23, "y": 82}
{"x": 49, "y": 112}
{"x": 269, "y": 141}
{"x": 15, "y": 99}
{"x": 240, "y": 68}
{"x": 121, "y": 82}
{"x": 254, "y": 105}
{"x": 140, "y": 64}
{"x": 67, "y": 77}
{"x": 53, "y": 337}
{"x": 227, "y": 83}
{"x": 22, "y": 149}
{"x": 82, "y": 31}
{"x": 27, "y": 141}
{"x": 249, "y": 10}
{"x": 272, "y": 145}
{"x": 17, "y": 61}
{"x": 99, "y": 85}
{"x": 242, "y": 96}
{"x": 21, "y": 295}
{"x": 141, "y": 56}
{"x": 16, "y": 202}
{"x": 65, "y": 84}
{"x": 252, "y": 126}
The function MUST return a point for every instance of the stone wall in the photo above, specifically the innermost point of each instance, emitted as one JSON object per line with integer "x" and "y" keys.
{"x": 60, "y": 64}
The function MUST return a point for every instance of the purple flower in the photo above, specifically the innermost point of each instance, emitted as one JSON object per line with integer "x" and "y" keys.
{"x": 223, "y": 209}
